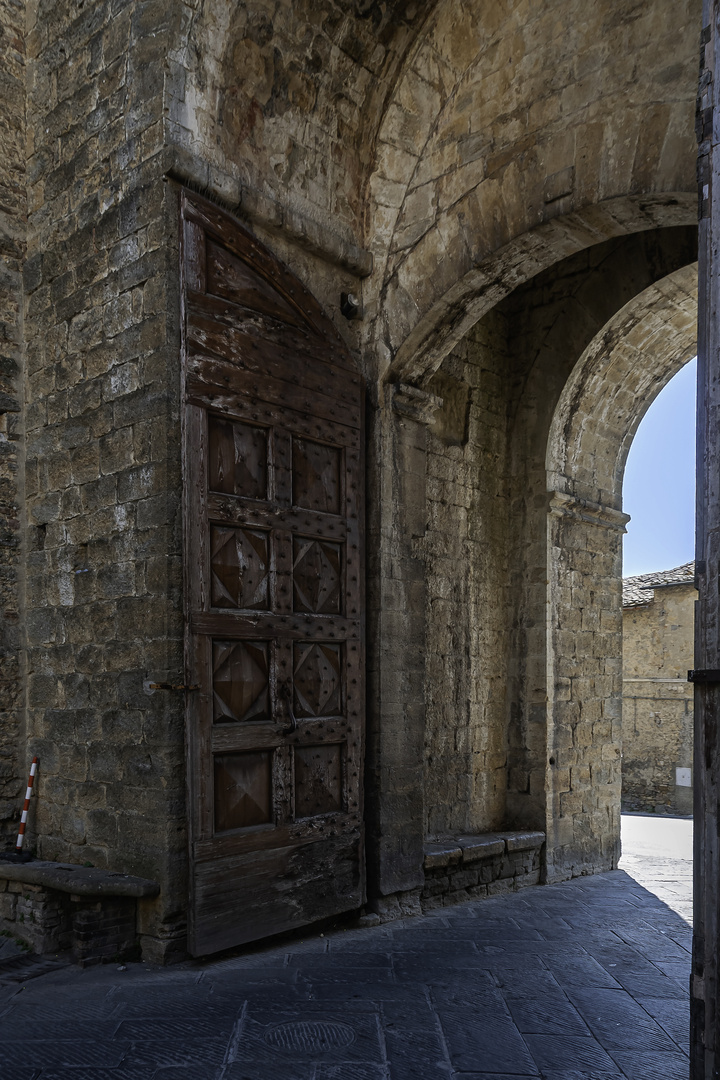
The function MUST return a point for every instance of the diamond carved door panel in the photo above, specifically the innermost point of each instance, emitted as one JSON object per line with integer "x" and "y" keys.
{"x": 317, "y": 678}
{"x": 241, "y": 684}
{"x": 239, "y": 568}
{"x": 243, "y": 790}
{"x": 317, "y": 576}
{"x": 317, "y": 476}
{"x": 273, "y": 472}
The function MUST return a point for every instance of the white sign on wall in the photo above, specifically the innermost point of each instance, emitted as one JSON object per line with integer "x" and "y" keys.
{"x": 683, "y": 777}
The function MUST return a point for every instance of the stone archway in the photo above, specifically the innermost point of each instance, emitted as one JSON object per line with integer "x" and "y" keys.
{"x": 467, "y": 558}
{"x": 450, "y": 316}
{"x": 469, "y": 162}
{"x": 611, "y": 387}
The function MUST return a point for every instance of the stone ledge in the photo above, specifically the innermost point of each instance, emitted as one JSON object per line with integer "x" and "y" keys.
{"x": 442, "y": 855}
{"x": 522, "y": 841}
{"x": 469, "y": 849}
{"x": 462, "y": 868}
{"x": 481, "y": 847}
{"x": 78, "y": 880}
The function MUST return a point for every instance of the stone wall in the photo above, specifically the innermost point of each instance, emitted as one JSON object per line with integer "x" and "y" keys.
{"x": 51, "y": 922}
{"x": 13, "y": 214}
{"x": 481, "y": 149}
{"x": 658, "y": 641}
{"x": 416, "y": 155}
{"x": 467, "y": 561}
{"x": 102, "y": 480}
{"x": 280, "y": 104}
{"x": 515, "y": 363}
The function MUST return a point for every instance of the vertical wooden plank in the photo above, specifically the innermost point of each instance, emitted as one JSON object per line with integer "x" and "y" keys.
{"x": 282, "y": 539}
{"x": 704, "y": 1049}
{"x": 282, "y": 467}
{"x": 195, "y": 256}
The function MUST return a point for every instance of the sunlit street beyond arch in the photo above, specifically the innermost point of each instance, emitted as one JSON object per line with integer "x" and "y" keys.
{"x": 658, "y": 854}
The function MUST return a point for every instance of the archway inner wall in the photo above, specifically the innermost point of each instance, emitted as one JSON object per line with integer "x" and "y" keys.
{"x": 486, "y": 548}
{"x": 612, "y": 386}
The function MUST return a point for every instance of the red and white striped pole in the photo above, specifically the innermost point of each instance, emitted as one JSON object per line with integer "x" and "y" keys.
{"x": 23, "y": 819}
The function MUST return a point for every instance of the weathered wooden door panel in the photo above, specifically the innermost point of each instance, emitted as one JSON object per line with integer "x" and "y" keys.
{"x": 210, "y": 340}
{"x": 281, "y": 886}
{"x": 273, "y": 424}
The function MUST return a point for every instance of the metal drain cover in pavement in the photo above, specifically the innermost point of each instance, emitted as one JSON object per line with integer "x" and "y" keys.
{"x": 309, "y": 1035}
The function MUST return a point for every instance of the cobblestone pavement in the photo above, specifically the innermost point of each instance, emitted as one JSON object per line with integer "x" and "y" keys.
{"x": 580, "y": 981}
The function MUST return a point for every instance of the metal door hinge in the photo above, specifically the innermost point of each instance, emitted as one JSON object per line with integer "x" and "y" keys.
{"x": 706, "y": 675}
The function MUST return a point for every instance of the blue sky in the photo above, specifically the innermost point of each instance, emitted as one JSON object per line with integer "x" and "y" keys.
{"x": 659, "y": 485}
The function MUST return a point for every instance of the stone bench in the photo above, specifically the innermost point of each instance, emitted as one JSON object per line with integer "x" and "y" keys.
{"x": 463, "y": 868}
{"x": 53, "y": 907}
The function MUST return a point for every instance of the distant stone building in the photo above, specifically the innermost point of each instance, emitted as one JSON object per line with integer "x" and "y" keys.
{"x": 658, "y": 621}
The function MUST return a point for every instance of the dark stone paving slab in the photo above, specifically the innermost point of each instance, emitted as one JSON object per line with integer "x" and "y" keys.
{"x": 671, "y": 1015}
{"x": 652, "y": 984}
{"x": 545, "y": 1013}
{"x": 352, "y": 994}
{"x": 582, "y": 1074}
{"x": 123, "y": 1072}
{"x": 574, "y": 1056}
{"x": 618, "y": 1021}
{"x": 654, "y": 944}
{"x": 183, "y": 1072}
{"x": 264, "y": 1071}
{"x": 644, "y": 1065}
{"x": 478, "y": 1030}
{"x": 580, "y": 981}
{"x": 163, "y": 1029}
{"x": 579, "y": 970}
{"x": 66, "y": 1053}
{"x": 676, "y": 969}
{"x": 351, "y": 1072}
{"x": 201, "y": 1051}
{"x": 413, "y": 1040}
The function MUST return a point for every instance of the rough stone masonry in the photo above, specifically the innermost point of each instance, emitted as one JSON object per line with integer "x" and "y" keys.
{"x": 658, "y": 641}
{"x": 510, "y": 193}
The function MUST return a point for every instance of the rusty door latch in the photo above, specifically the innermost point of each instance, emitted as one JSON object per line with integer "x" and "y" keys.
{"x": 150, "y": 687}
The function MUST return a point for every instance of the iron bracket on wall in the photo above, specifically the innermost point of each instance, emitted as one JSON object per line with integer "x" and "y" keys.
{"x": 706, "y": 675}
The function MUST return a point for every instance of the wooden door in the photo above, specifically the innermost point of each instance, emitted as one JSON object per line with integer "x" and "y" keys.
{"x": 273, "y": 474}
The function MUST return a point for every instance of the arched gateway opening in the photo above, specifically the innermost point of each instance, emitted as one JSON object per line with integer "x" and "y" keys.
{"x": 525, "y": 453}
{"x": 611, "y": 387}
